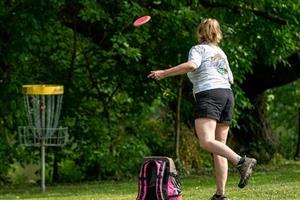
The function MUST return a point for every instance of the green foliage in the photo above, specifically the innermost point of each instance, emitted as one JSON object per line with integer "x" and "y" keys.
{"x": 24, "y": 174}
{"x": 70, "y": 171}
{"x": 284, "y": 113}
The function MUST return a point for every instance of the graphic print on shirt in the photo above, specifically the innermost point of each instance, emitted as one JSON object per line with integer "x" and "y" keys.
{"x": 220, "y": 63}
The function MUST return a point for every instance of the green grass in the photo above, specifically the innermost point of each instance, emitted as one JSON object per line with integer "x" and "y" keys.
{"x": 268, "y": 183}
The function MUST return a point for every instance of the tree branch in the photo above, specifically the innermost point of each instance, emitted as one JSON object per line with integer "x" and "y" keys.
{"x": 266, "y": 77}
{"x": 239, "y": 8}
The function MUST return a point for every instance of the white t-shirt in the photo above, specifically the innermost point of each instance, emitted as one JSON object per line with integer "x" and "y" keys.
{"x": 213, "y": 68}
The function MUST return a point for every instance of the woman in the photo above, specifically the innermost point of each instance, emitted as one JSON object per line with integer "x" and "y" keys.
{"x": 208, "y": 69}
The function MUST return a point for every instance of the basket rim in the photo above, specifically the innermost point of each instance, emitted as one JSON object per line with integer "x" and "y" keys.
{"x": 43, "y": 89}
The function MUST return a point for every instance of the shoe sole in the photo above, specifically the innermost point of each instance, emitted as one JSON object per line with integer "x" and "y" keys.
{"x": 244, "y": 181}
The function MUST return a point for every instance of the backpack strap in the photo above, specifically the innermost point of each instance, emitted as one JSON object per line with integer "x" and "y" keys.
{"x": 174, "y": 188}
{"x": 143, "y": 181}
{"x": 160, "y": 166}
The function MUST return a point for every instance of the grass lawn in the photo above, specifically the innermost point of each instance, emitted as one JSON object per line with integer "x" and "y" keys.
{"x": 268, "y": 183}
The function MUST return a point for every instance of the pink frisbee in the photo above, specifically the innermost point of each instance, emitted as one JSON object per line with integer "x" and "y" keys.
{"x": 141, "y": 20}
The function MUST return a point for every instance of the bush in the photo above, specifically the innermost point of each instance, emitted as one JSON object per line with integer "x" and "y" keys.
{"x": 70, "y": 172}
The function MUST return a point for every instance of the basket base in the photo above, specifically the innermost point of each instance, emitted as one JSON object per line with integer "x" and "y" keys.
{"x": 31, "y": 136}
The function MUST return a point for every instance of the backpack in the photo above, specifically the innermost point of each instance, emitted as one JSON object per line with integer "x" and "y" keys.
{"x": 158, "y": 180}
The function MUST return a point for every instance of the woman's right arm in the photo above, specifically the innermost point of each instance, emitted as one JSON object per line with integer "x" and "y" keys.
{"x": 182, "y": 68}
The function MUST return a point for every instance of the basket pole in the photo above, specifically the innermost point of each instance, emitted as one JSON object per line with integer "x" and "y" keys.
{"x": 43, "y": 166}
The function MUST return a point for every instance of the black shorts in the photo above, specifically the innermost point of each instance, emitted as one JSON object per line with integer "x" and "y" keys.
{"x": 216, "y": 104}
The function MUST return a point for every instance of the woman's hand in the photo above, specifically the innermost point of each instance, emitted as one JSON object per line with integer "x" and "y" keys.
{"x": 157, "y": 74}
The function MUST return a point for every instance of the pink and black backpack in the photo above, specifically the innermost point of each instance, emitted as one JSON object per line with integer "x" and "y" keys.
{"x": 158, "y": 180}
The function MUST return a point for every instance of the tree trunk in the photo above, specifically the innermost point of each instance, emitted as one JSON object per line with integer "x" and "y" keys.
{"x": 178, "y": 120}
{"x": 297, "y": 155}
{"x": 254, "y": 136}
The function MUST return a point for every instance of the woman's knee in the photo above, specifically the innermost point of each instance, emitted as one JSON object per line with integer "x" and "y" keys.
{"x": 205, "y": 144}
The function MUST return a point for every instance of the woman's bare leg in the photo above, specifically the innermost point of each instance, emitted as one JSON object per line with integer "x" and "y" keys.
{"x": 220, "y": 163}
{"x": 205, "y": 129}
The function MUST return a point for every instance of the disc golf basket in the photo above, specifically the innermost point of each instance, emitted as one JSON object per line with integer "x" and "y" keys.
{"x": 42, "y": 106}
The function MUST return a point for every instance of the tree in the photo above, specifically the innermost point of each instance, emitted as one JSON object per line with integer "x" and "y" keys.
{"x": 262, "y": 47}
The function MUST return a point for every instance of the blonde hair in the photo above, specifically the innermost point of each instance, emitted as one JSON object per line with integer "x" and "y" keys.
{"x": 209, "y": 31}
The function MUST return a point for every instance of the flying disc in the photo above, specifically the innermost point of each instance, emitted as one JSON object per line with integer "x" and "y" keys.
{"x": 141, "y": 20}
